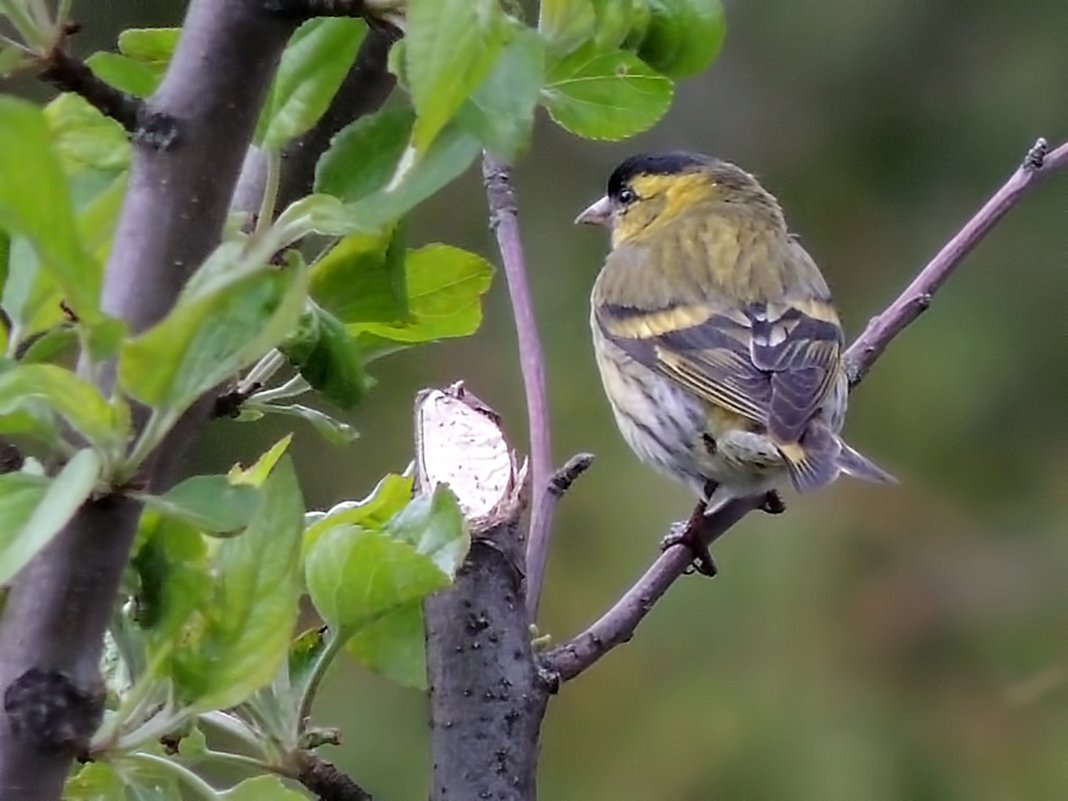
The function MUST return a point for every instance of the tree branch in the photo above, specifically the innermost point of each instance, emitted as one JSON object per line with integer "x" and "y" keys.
{"x": 487, "y": 694}
{"x": 618, "y": 624}
{"x": 326, "y": 781}
{"x": 59, "y": 605}
{"x": 69, "y": 74}
{"x": 504, "y": 219}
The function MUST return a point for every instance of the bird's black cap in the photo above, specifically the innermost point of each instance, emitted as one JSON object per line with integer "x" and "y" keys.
{"x": 655, "y": 164}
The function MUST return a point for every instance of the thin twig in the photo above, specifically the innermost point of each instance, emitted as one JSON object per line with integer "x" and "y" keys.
{"x": 70, "y": 74}
{"x": 618, "y": 624}
{"x": 563, "y": 478}
{"x": 326, "y": 781}
{"x": 504, "y": 219}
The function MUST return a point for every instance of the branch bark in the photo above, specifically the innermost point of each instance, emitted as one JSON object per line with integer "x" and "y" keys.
{"x": 487, "y": 693}
{"x": 180, "y": 188}
{"x": 504, "y": 220}
{"x": 70, "y": 74}
{"x": 618, "y": 624}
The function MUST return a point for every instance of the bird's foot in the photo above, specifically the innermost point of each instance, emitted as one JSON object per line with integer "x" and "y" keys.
{"x": 688, "y": 533}
{"x": 773, "y": 503}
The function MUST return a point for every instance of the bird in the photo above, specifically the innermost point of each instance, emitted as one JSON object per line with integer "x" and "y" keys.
{"x": 718, "y": 344}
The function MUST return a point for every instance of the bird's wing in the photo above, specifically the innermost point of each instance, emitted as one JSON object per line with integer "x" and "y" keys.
{"x": 769, "y": 362}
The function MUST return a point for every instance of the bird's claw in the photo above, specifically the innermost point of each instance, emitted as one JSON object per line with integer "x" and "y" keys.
{"x": 773, "y": 503}
{"x": 682, "y": 533}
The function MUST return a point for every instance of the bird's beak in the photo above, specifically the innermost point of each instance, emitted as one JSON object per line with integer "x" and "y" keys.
{"x": 600, "y": 213}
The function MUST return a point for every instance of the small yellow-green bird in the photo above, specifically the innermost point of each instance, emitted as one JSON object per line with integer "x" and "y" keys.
{"x": 718, "y": 344}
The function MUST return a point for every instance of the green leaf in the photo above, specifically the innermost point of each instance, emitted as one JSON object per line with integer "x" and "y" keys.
{"x": 389, "y": 497}
{"x": 329, "y": 428}
{"x": 153, "y": 45}
{"x": 357, "y": 575}
{"x": 361, "y": 278}
{"x": 35, "y": 202}
{"x": 394, "y": 646}
{"x": 210, "y": 503}
{"x": 221, "y": 324}
{"x": 55, "y": 343}
{"x": 96, "y": 781}
{"x": 248, "y": 622}
{"x": 328, "y": 358}
{"x": 450, "y": 47}
{"x": 262, "y": 788}
{"x": 174, "y": 571}
{"x": 445, "y": 289}
{"x": 255, "y": 475}
{"x": 51, "y": 389}
{"x": 31, "y": 297}
{"x": 378, "y": 203}
{"x": 313, "y": 66}
{"x": 98, "y": 218}
{"x": 606, "y": 95}
{"x": 84, "y": 137}
{"x": 566, "y": 24}
{"x": 130, "y": 75}
{"x": 33, "y": 509}
{"x": 501, "y": 112}
{"x": 364, "y": 154}
{"x": 683, "y": 37}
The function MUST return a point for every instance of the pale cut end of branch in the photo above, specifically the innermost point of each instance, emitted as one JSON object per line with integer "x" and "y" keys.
{"x": 460, "y": 443}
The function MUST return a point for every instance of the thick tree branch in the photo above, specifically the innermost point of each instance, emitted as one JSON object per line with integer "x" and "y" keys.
{"x": 176, "y": 204}
{"x": 487, "y": 695}
{"x": 618, "y": 624}
{"x": 504, "y": 219}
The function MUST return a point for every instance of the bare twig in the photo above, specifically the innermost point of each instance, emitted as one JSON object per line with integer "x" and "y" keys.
{"x": 916, "y": 298}
{"x": 618, "y": 624}
{"x": 70, "y": 74}
{"x": 504, "y": 219}
{"x": 563, "y": 478}
{"x": 326, "y": 781}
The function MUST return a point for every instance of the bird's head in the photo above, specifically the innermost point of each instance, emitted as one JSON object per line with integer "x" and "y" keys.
{"x": 648, "y": 190}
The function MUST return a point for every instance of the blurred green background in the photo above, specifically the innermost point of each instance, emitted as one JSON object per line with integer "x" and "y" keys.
{"x": 874, "y": 643}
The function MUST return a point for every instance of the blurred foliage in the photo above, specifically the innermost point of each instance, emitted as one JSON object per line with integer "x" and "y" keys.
{"x": 873, "y": 643}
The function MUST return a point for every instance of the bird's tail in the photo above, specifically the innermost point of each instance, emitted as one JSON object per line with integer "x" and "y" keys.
{"x": 854, "y": 463}
{"x": 822, "y": 455}
{"x": 814, "y": 461}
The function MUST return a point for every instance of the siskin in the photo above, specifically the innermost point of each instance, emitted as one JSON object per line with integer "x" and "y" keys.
{"x": 718, "y": 344}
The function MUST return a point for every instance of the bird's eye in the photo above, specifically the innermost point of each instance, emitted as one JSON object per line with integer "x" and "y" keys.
{"x": 627, "y": 195}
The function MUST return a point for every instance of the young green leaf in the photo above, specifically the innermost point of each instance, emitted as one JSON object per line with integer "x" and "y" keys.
{"x": 389, "y": 496}
{"x": 247, "y": 624}
{"x": 450, "y": 47}
{"x": 329, "y": 428}
{"x": 364, "y": 155}
{"x": 220, "y": 325}
{"x": 566, "y": 24}
{"x": 362, "y": 158}
{"x": 501, "y": 112}
{"x": 33, "y": 509}
{"x": 31, "y": 296}
{"x": 328, "y": 358}
{"x": 361, "y": 278}
{"x": 35, "y": 202}
{"x": 445, "y": 288}
{"x": 605, "y": 95}
{"x": 152, "y": 45}
{"x": 262, "y": 788}
{"x": 683, "y": 37}
{"x": 394, "y": 646}
{"x": 257, "y": 473}
{"x": 84, "y": 137}
{"x": 95, "y": 781}
{"x": 130, "y": 75}
{"x": 52, "y": 389}
{"x": 210, "y": 503}
{"x": 313, "y": 66}
{"x": 357, "y": 575}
